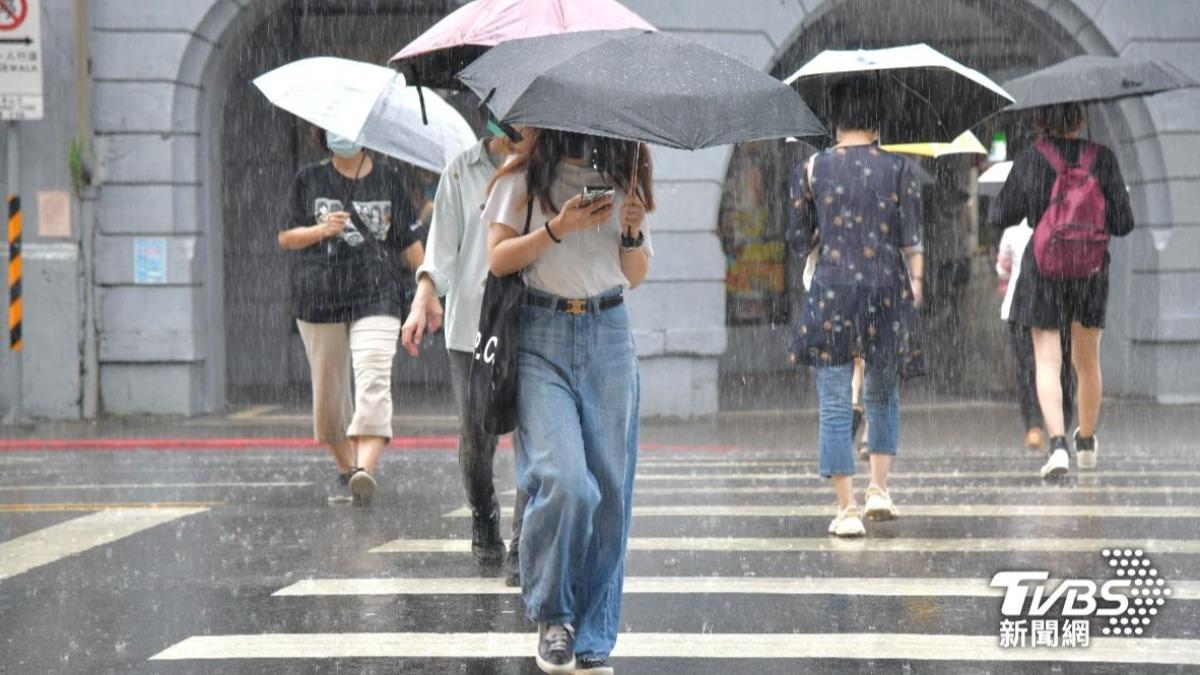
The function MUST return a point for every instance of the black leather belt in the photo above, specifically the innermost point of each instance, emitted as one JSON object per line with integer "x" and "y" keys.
{"x": 574, "y": 305}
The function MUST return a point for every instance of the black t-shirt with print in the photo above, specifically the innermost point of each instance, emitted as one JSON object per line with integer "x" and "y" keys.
{"x": 348, "y": 277}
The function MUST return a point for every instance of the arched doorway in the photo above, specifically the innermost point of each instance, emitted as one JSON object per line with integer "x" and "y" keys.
{"x": 998, "y": 37}
{"x": 254, "y": 151}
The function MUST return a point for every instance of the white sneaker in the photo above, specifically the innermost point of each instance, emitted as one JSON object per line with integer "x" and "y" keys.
{"x": 1058, "y": 463}
{"x": 879, "y": 505}
{"x": 848, "y": 523}
{"x": 1085, "y": 458}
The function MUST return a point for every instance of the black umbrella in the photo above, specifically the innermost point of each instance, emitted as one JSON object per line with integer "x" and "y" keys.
{"x": 638, "y": 86}
{"x": 1094, "y": 78}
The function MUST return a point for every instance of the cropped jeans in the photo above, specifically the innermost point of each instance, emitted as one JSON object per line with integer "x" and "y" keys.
{"x": 577, "y": 404}
{"x": 881, "y": 394}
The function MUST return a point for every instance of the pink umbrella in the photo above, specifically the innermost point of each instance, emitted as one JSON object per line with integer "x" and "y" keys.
{"x": 454, "y": 42}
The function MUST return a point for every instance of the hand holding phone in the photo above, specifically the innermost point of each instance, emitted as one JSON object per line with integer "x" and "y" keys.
{"x": 593, "y": 192}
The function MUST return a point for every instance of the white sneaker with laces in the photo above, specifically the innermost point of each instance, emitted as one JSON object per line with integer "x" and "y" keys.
{"x": 879, "y": 505}
{"x": 1085, "y": 457}
{"x": 1058, "y": 463}
{"x": 847, "y": 523}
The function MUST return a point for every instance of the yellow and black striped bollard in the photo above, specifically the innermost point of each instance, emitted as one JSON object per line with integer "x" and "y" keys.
{"x": 14, "y": 273}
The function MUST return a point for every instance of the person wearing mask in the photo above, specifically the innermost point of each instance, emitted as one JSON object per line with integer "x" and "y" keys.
{"x": 1008, "y": 269}
{"x": 1075, "y": 305}
{"x": 577, "y": 377}
{"x": 456, "y": 267}
{"x": 862, "y": 300}
{"x": 348, "y": 226}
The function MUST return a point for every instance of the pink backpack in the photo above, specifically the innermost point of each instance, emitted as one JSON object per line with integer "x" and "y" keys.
{"x": 1071, "y": 238}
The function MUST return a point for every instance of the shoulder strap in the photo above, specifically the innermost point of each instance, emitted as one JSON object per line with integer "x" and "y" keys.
{"x": 1051, "y": 154}
{"x": 1088, "y": 156}
{"x": 528, "y": 214}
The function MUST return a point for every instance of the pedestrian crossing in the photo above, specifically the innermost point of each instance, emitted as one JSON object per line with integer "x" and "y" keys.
{"x": 705, "y": 588}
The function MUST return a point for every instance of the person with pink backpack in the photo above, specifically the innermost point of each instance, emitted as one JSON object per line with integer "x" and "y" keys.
{"x": 1072, "y": 191}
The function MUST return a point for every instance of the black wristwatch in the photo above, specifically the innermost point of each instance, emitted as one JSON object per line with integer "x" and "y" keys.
{"x": 628, "y": 243}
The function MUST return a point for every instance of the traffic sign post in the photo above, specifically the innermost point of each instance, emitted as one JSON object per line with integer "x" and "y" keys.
{"x": 20, "y": 60}
{"x": 20, "y": 99}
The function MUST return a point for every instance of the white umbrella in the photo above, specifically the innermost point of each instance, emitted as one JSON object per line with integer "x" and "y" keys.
{"x": 371, "y": 105}
{"x": 926, "y": 95}
{"x": 993, "y": 179}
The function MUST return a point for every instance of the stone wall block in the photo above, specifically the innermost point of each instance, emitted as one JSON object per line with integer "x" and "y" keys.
{"x": 685, "y": 206}
{"x": 687, "y": 257}
{"x": 150, "y": 159}
{"x": 143, "y": 107}
{"x": 114, "y": 259}
{"x": 155, "y": 389}
{"x": 679, "y": 387}
{"x": 138, "y": 55}
{"x": 678, "y": 306}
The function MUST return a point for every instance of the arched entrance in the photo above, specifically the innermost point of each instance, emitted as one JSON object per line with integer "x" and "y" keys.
{"x": 998, "y": 37}
{"x": 252, "y": 153}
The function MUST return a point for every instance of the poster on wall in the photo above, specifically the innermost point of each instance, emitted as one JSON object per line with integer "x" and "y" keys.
{"x": 149, "y": 261}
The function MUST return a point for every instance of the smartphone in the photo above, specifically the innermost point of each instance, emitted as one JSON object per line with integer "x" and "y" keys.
{"x": 593, "y": 192}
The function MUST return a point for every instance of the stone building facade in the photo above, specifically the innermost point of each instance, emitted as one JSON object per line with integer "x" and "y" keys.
{"x": 149, "y": 89}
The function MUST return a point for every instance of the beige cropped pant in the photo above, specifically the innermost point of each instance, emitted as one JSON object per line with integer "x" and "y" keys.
{"x": 341, "y": 410}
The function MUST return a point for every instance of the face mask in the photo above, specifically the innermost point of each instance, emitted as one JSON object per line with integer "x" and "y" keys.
{"x": 341, "y": 146}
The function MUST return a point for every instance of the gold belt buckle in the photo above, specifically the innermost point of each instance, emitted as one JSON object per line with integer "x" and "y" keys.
{"x": 576, "y": 306}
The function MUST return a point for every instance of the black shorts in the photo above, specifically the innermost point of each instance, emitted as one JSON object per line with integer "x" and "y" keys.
{"x": 1054, "y": 304}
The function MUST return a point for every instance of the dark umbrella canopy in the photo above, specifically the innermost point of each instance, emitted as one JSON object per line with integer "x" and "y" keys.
{"x": 634, "y": 85}
{"x": 1094, "y": 78}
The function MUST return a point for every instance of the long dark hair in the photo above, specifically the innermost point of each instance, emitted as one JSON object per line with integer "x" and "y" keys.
{"x": 540, "y": 150}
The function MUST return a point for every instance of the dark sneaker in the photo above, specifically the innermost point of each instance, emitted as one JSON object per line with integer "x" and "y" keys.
{"x": 362, "y": 487}
{"x": 339, "y": 492}
{"x": 593, "y": 666}
{"x": 512, "y": 568}
{"x": 556, "y": 648}
{"x": 486, "y": 544}
{"x": 1086, "y": 450}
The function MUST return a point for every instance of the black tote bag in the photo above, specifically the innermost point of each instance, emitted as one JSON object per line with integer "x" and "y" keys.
{"x": 493, "y": 390}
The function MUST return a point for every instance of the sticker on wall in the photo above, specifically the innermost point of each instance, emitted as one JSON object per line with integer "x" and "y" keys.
{"x": 149, "y": 261}
{"x": 54, "y": 213}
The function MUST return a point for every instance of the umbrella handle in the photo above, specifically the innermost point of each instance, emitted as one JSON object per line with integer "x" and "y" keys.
{"x": 637, "y": 161}
{"x": 421, "y": 98}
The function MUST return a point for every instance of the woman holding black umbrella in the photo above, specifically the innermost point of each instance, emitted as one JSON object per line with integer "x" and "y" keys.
{"x": 1054, "y": 292}
{"x": 865, "y": 206}
{"x": 577, "y": 381}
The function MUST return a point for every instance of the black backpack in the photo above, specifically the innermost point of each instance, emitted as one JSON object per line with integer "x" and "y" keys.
{"x": 493, "y": 392}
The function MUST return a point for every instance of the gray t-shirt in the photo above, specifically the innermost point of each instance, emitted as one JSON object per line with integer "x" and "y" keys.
{"x": 587, "y": 262}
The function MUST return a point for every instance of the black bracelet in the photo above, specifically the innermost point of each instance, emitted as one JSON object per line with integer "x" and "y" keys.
{"x": 629, "y": 243}
{"x": 551, "y": 233}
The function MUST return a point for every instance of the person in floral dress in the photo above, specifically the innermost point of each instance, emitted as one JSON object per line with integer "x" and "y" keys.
{"x": 859, "y": 207}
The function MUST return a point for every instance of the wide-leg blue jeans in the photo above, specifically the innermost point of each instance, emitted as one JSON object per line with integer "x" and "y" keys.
{"x": 577, "y": 401}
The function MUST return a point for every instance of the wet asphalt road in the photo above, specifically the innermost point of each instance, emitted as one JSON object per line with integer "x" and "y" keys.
{"x": 127, "y": 560}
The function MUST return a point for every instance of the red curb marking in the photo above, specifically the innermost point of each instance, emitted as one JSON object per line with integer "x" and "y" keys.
{"x": 235, "y": 444}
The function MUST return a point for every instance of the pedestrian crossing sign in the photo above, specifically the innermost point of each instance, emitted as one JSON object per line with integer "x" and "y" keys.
{"x": 20, "y": 60}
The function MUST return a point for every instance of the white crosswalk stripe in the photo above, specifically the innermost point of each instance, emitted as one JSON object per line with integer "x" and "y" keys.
{"x": 826, "y": 543}
{"x": 854, "y": 586}
{"x": 931, "y": 510}
{"x": 651, "y": 477}
{"x": 678, "y": 645}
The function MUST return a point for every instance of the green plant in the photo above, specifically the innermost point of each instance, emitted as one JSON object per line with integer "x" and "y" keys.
{"x": 81, "y": 176}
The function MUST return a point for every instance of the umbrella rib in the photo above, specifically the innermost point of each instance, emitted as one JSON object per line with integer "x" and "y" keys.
{"x": 920, "y": 96}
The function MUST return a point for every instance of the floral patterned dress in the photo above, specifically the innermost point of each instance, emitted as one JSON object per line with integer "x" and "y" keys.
{"x": 862, "y": 208}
